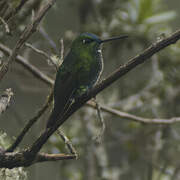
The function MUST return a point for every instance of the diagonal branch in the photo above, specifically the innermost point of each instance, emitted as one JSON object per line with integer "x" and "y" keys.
{"x": 30, "y": 156}
{"x": 31, "y": 68}
{"x": 28, "y": 31}
{"x": 21, "y": 60}
{"x": 29, "y": 124}
{"x": 16, "y": 10}
{"x": 121, "y": 71}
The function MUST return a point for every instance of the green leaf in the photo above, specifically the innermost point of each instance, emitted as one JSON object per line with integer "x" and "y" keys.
{"x": 145, "y": 9}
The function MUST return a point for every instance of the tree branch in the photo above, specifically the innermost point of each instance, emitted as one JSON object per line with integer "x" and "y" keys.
{"x": 16, "y": 10}
{"x": 22, "y": 159}
{"x": 44, "y": 54}
{"x": 30, "y": 155}
{"x": 30, "y": 124}
{"x": 5, "y": 100}
{"x": 67, "y": 142}
{"x": 7, "y": 30}
{"x": 24, "y": 62}
{"x": 121, "y": 71}
{"x": 135, "y": 118}
{"x": 28, "y": 31}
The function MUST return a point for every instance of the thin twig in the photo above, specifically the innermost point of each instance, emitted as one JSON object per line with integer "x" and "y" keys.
{"x": 44, "y": 54}
{"x": 98, "y": 138}
{"x": 135, "y": 118}
{"x": 5, "y": 100}
{"x": 41, "y": 52}
{"x": 24, "y": 62}
{"x": 67, "y": 142}
{"x": 42, "y": 157}
{"x": 5, "y": 25}
{"x": 28, "y": 31}
{"x": 61, "y": 50}
{"x": 30, "y": 124}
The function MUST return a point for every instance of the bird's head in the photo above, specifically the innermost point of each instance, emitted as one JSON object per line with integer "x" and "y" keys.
{"x": 89, "y": 43}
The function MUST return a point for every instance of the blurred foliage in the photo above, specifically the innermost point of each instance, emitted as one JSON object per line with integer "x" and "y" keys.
{"x": 128, "y": 150}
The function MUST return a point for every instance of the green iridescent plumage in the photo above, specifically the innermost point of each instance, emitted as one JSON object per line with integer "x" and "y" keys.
{"x": 79, "y": 71}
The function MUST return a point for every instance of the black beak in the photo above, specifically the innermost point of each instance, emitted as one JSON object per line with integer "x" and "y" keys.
{"x": 114, "y": 38}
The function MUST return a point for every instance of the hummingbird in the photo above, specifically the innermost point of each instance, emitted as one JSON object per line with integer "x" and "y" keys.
{"x": 78, "y": 73}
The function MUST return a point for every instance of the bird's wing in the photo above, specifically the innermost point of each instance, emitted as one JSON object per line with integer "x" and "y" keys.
{"x": 64, "y": 89}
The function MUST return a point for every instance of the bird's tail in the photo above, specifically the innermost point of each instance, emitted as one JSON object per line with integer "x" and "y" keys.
{"x": 57, "y": 115}
{"x": 53, "y": 118}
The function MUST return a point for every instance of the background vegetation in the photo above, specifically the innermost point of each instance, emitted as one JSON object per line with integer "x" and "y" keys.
{"x": 128, "y": 149}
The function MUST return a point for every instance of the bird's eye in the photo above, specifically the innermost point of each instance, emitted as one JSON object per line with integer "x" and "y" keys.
{"x": 87, "y": 41}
